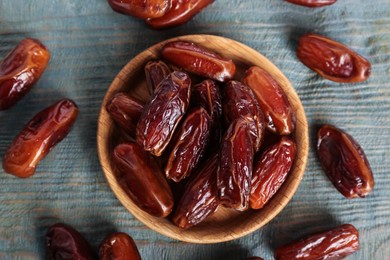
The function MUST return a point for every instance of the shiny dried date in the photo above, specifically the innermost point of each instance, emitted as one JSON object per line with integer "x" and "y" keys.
{"x": 207, "y": 95}
{"x": 181, "y": 12}
{"x": 38, "y": 137}
{"x": 198, "y": 60}
{"x": 64, "y": 242}
{"x": 332, "y": 60}
{"x": 200, "y": 198}
{"x": 236, "y": 159}
{"x": 344, "y": 162}
{"x": 278, "y": 114}
{"x": 163, "y": 113}
{"x": 20, "y": 70}
{"x": 270, "y": 171}
{"x": 118, "y": 246}
{"x": 143, "y": 9}
{"x": 191, "y": 144}
{"x": 336, "y": 243}
{"x": 312, "y": 3}
{"x": 142, "y": 179}
{"x": 155, "y": 72}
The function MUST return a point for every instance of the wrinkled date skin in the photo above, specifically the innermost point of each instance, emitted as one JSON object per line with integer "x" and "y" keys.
{"x": 200, "y": 198}
{"x": 270, "y": 171}
{"x": 344, "y": 162}
{"x": 332, "y": 60}
{"x": 38, "y": 137}
{"x": 118, "y": 246}
{"x": 155, "y": 72}
{"x": 143, "y": 9}
{"x": 236, "y": 159}
{"x": 163, "y": 113}
{"x": 198, "y": 60}
{"x": 190, "y": 146}
{"x": 181, "y": 12}
{"x": 278, "y": 114}
{"x": 142, "y": 179}
{"x": 20, "y": 70}
{"x": 312, "y": 3}
{"x": 336, "y": 243}
{"x": 125, "y": 111}
{"x": 240, "y": 102}
{"x": 64, "y": 242}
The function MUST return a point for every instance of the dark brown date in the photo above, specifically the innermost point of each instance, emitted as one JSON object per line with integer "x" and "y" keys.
{"x": 163, "y": 113}
{"x": 198, "y": 60}
{"x": 207, "y": 95}
{"x": 64, "y": 242}
{"x": 142, "y": 179}
{"x": 312, "y": 3}
{"x": 270, "y": 171}
{"x": 236, "y": 159}
{"x": 278, "y": 114}
{"x": 20, "y": 70}
{"x": 125, "y": 111}
{"x": 38, "y": 137}
{"x": 155, "y": 72}
{"x": 181, "y": 12}
{"x": 344, "y": 162}
{"x": 118, "y": 246}
{"x": 189, "y": 149}
{"x": 332, "y": 60}
{"x": 336, "y": 243}
{"x": 200, "y": 198}
{"x": 143, "y": 9}
{"x": 240, "y": 101}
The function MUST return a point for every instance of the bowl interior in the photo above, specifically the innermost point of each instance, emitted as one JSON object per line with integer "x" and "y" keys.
{"x": 225, "y": 224}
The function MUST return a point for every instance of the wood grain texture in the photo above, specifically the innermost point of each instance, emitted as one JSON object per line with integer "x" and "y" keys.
{"x": 90, "y": 44}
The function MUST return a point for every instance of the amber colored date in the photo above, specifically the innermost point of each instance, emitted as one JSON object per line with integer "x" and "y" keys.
{"x": 118, "y": 246}
{"x": 64, "y": 242}
{"x": 278, "y": 114}
{"x": 198, "y": 60}
{"x": 240, "y": 101}
{"x": 312, "y": 3}
{"x": 332, "y": 60}
{"x": 163, "y": 113}
{"x": 20, "y": 70}
{"x": 191, "y": 144}
{"x": 344, "y": 162}
{"x": 270, "y": 171}
{"x": 38, "y": 137}
{"x": 142, "y": 179}
{"x": 181, "y": 12}
{"x": 200, "y": 198}
{"x": 336, "y": 243}
{"x": 155, "y": 72}
{"x": 236, "y": 159}
{"x": 125, "y": 111}
{"x": 143, "y": 9}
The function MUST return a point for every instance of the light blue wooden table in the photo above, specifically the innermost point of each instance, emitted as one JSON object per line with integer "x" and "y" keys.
{"x": 90, "y": 44}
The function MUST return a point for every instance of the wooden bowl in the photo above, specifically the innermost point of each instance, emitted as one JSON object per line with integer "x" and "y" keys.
{"x": 225, "y": 224}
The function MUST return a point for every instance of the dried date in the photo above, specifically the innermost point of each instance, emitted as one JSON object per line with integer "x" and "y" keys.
{"x": 270, "y": 171}
{"x": 118, "y": 246}
{"x": 142, "y": 179}
{"x": 20, "y": 70}
{"x": 344, "y": 162}
{"x": 278, "y": 113}
{"x": 64, "y": 242}
{"x": 38, "y": 137}
{"x": 312, "y": 3}
{"x": 163, "y": 113}
{"x": 155, "y": 72}
{"x": 336, "y": 243}
{"x": 332, "y": 60}
{"x": 198, "y": 60}
{"x": 143, "y": 9}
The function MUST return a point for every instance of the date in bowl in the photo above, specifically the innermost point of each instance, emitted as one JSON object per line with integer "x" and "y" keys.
{"x": 225, "y": 224}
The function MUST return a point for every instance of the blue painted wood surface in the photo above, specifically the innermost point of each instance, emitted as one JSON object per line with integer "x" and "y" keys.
{"x": 90, "y": 44}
